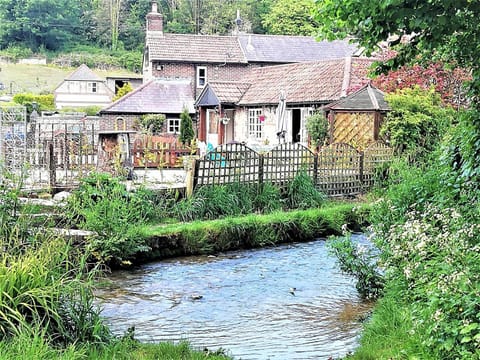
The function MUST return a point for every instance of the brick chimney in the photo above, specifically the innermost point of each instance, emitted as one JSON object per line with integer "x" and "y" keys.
{"x": 154, "y": 20}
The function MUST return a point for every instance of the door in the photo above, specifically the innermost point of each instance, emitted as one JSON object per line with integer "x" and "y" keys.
{"x": 296, "y": 125}
{"x": 212, "y": 128}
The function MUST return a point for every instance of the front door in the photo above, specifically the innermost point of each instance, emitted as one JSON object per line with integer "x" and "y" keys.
{"x": 212, "y": 128}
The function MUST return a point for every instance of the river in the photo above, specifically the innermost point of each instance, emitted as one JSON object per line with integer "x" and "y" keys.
{"x": 286, "y": 302}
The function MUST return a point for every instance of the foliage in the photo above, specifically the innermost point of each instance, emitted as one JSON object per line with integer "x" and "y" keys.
{"x": 447, "y": 80}
{"x": 48, "y": 24}
{"x": 290, "y": 18}
{"x": 46, "y": 284}
{"x": 317, "y": 127}
{"x": 92, "y": 110}
{"x": 15, "y": 52}
{"x": 186, "y": 128}
{"x": 302, "y": 194}
{"x": 461, "y": 157}
{"x": 152, "y": 123}
{"x": 416, "y": 122}
{"x": 436, "y": 28}
{"x": 122, "y": 91}
{"x": 44, "y": 102}
{"x": 103, "y": 204}
{"x": 359, "y": 260}
{"x": 99, "y": 58}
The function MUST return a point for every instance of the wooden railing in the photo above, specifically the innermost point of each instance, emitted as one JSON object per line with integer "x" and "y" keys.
{"x": 158, "y": 152}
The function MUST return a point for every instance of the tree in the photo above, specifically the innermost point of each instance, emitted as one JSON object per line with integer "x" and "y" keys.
{"x": 425, "y": 29}
{"x": 48, "y": 24}
{"x": 290, "y": 18}
{"x": 448, "y": 82}
{"x": 186, "y": 127}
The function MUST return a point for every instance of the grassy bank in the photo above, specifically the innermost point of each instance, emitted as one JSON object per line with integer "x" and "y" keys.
{"x": 250, "y": 231}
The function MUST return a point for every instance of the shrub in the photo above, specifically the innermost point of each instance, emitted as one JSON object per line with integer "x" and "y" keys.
{"x": 45, "y": 102}
{"x": 103, "y": 204}
{"x": 152, "y": 123}
{"x": 302, "y": 194}
{"x": 317, "y": 127}
{"x": 360, "y": 261}
{"x": 186, "y": 128}
{"x": 416, "y": 122}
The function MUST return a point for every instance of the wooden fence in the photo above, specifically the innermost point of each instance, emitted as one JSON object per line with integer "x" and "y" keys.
{"x": 337, "y": 170}
{"x": 158, "y": 152}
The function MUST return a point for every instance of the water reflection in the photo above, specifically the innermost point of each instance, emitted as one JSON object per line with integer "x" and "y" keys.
{"x": 288, "y": 302}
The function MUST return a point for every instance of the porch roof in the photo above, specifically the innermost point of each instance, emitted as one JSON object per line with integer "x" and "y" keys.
{"x": 220, "y": 92}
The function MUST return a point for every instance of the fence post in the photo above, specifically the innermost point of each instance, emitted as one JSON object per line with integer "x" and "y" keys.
{"x": 362, "y": 159}
{"x": 315, "y": 169}
{"x": 51, "y": 166}
{"x": 194, "y": 182}
{"x": 260, "y": 169}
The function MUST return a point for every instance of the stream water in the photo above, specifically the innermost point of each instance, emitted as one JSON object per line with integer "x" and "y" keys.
{"x": 287, "y": 302}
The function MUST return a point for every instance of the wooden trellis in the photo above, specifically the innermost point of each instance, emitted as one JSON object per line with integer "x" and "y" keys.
{"x": 339, "y": 170}
{"x": 375, "y": 156}
{"x": 284, "y": 162}
{"x": 227, "y": 164}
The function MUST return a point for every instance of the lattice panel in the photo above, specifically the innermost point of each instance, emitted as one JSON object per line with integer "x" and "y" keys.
{"x": 339, "y": 170}
{"x": 13, "y": 138}
{"x": 227, "y": 164}
{"x": 375, "y": 156}
{"x": 284, "y": 162}
{"x": 356, "y": 129}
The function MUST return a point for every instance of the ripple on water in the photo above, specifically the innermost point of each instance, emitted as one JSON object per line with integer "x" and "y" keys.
{"x": 287, "y": 302}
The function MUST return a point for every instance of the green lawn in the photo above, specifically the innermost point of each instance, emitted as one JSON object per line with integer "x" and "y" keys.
{"x": 40, "y": 79}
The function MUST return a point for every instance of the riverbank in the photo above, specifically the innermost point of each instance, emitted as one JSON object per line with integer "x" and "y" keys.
{"x": 250, "y": 231}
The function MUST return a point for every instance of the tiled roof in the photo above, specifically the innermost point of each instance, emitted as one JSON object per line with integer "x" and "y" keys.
{"x": 156, "y": 97}
{"x": 313, "y": 82}
{"x": 195, "y": 48}
{"x": 288, "y": 49}
{"x": 83, "y": 73}
{"x": 367, "y": 98}
{"x": 245, "y": 48}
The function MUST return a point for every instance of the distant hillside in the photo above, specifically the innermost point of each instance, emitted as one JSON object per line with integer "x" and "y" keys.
{"x": 40, "y": 79}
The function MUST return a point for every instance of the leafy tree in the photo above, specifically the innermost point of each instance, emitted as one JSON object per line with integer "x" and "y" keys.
{"x": 433, "y": 28}
{"x": 122, "y": 91}
{"x": 290, "y": 18}
{"x": 186, "y": 127}
{"x": 448, "y": 82}
{"x": 152, "y": 123}
{"x": 47, "y": 24}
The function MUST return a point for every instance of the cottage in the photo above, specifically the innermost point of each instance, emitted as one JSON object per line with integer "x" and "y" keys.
{"x": 157, "y": 96}
{"x": 82, "y": 88}
{"x": 271, "y": 104}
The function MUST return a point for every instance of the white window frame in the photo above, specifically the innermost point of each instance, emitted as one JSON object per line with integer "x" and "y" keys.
{"x": 173, "y": 125}
{"x": 92, "y": 87}
{"x": 255, "y": 126}
{"x": 201, "y": 79}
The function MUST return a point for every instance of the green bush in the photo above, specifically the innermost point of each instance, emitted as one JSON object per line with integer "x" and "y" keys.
{"x": 317, "y": 127}
{"x": 15, "y": 53}
{"x": 103, "y": 204}
{"x": 44, "y": 102}
{"x": 417, "y": 121}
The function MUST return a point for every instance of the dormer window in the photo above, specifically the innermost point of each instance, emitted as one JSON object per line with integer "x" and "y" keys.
{"x": 92, "y": 87}
{"x": 201, "y": 76}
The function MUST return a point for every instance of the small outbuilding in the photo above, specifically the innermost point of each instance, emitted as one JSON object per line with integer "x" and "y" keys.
{"x": 356, "y": 118}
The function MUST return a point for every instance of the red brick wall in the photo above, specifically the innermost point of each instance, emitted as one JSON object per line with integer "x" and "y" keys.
{"x": 215, "y": 72}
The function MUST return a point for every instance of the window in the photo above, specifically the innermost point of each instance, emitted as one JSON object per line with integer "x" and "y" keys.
{"x": 173, "y": 126}
{"x": 201, "y": 76}
{"x": 255, "y": 123}
{"x": 92, "y": 87}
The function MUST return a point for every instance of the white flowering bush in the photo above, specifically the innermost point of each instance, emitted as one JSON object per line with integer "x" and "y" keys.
{"x": 435, "y": 253}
